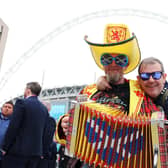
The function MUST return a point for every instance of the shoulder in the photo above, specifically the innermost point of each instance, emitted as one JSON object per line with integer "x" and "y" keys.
{"x": 89, "y": 90}
{"x": 31, "y": 98}
{"x": 163, "y": 97}
{"x": 51, "y": 120}
{"x": 19, "y": 102}
{"x": 51, "y": 123}
{"x": 33, "y": 101}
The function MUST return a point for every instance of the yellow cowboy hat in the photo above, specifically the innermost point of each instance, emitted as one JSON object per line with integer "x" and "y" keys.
{"x": 117, "y": 41}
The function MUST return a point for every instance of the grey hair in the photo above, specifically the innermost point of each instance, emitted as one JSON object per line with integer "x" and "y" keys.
{"x": 150, "y": 60}
{"x": 34, "y": 87}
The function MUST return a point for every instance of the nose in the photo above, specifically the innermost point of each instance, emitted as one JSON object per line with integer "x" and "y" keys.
{"x": 151, "y": 79}
{"x": 113, "y": 63}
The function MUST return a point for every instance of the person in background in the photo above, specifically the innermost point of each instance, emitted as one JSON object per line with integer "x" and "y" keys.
{"x": 5, "y": 116}
{"x": 23, "y": 143}
{"x": 48, "y": 160}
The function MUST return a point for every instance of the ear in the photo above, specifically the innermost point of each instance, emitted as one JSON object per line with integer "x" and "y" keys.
{"x": 28, "y": 91}
{"x": 164, "y": 76}
{"x": 138, "y": 78}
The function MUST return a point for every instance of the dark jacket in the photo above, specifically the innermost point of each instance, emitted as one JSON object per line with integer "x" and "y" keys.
{"x": 24, "y": 135}
{"x": 48, "y": 136}
{"x": 162, "y": 100}
{"x": 49, "y": 156}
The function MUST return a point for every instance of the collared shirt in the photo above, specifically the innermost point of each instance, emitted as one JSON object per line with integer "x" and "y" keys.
{"x": 30, "y": 96}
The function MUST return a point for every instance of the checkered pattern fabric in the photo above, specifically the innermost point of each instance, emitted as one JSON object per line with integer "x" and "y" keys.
{"x": 148, "y": 106}
{"x": 163, "y": 146}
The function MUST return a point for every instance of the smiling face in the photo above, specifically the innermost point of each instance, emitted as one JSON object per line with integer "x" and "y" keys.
{"x": 152, "y": 87}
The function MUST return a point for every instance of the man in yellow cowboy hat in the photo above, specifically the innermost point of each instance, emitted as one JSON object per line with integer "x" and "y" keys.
{"x": 120, "y": 54}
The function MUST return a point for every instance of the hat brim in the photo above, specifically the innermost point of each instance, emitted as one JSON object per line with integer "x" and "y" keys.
{"x": 128, "y": 47}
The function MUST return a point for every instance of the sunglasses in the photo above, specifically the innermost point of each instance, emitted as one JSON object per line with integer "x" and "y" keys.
{"x": 120, "y": 60}
{"x": 155, "y": 75}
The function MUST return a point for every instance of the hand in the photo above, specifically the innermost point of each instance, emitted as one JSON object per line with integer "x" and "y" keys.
{"x": 64, "y": 124}
{"x": 3, "y": 152}
{"x": 102, "y": 84}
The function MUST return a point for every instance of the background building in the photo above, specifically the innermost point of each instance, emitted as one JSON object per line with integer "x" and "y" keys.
{"x": 3, "y": 37}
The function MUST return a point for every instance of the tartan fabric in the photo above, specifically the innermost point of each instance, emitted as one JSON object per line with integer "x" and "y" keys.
{"x": 163, "y": 147}
{"x": 148, "y": 106}
{"x": 89, "y": 90}
{"x": 117, "y": 97}
{"x": 166, "y": 129}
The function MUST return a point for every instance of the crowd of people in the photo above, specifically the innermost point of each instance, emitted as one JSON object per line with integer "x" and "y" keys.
{"x": 27, "y": 130}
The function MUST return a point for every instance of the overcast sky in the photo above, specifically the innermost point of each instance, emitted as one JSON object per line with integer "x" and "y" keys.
{"x": 45, "y": 40}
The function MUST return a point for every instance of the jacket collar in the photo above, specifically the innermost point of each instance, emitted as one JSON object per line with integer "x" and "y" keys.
{"x": 31, "y": 96}
{"x": 3, "y": 117}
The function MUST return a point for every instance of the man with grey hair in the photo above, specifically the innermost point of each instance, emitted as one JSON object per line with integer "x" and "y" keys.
{"x": 24, "y": 138}
{"x": 152, "y": 79}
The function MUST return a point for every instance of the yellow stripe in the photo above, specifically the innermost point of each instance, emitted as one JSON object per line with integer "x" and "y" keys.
{"x": 136, "y": 98}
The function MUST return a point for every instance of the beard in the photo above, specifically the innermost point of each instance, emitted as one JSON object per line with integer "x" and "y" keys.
{"x": 113, "y": 78}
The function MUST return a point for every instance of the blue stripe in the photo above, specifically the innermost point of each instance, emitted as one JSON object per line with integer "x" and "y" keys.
{"x": 87, "y": 128}
{"x": 105, "y": 149}
{"x": 95, "y": 136}
{"x": 91, "y": 131}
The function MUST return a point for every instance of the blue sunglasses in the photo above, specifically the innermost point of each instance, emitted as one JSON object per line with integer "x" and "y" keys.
{"x": 120, "y": 60}
{"x": 155, "y": 75}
